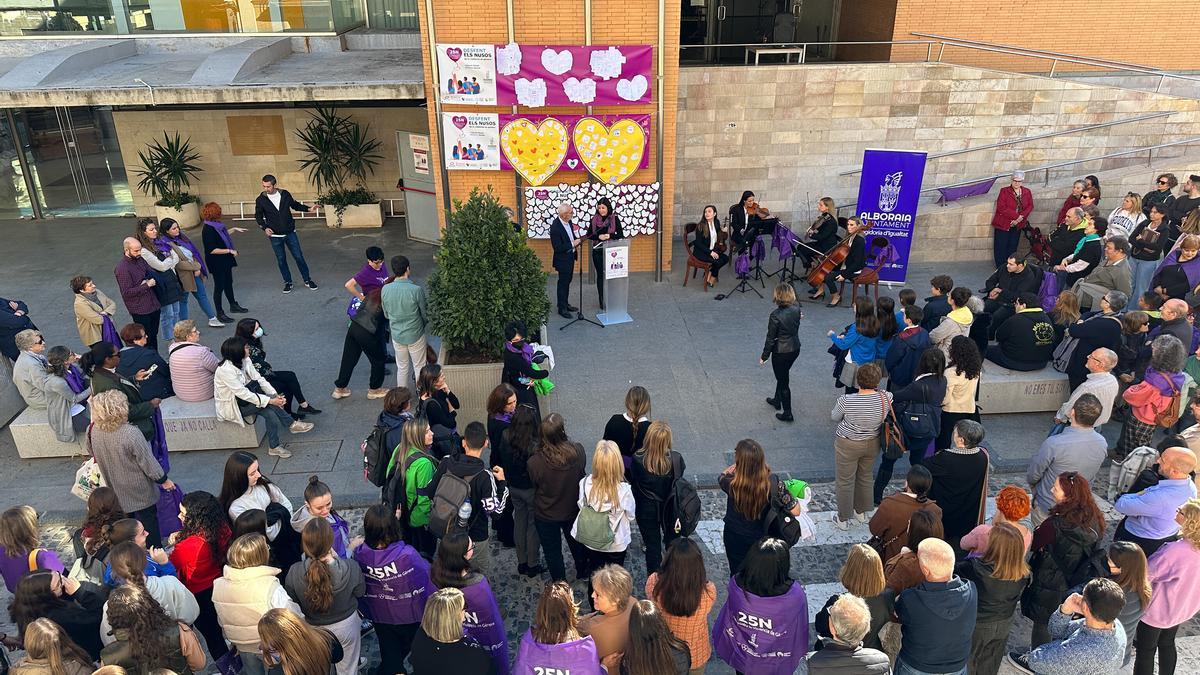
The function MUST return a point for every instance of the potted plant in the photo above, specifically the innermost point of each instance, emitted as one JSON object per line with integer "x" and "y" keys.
{"x": 168, "y": 167}
{"x": 338, "y": 154}
{"x": 486, "y": 276}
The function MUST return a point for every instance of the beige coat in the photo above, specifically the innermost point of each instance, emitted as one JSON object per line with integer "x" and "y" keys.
{"x": 242, "y": 596}
{"x": 186, "y": 269}
{"x": 960, "y": 392}
{"x": 229, "y": 385}
{"x": 88, "y": 319}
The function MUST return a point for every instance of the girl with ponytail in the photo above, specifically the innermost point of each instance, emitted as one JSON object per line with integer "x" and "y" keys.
{"x": 327, "y": 587}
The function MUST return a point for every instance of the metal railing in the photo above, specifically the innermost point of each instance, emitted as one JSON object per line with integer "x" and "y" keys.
{"x": 766, "y": 47}
{"x": 317, "y": 212}
{"x": 1036, "y": 137}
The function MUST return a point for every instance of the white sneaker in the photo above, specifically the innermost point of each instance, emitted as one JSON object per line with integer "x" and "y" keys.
{"x": 340, "y": 393}
{"x": 377, "y": 393}
{"x": 280, "y": 452}
{"x": 862, "y": 517}
{"x": 840, "y": 524}
{"x": 299, "y": 427}
{"x": 215, "y": 323}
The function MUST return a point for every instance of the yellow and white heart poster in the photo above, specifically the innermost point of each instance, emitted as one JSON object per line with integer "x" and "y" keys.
{"x": 534, "y": 150}
{"x": 610, "y": 153}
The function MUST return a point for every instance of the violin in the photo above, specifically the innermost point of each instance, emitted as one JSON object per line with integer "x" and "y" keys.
{"x": 836, "y": 256}
{"x": 755, "y": 209}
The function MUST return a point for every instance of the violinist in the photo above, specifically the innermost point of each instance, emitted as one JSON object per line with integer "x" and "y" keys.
{"x": 855, "y": 260}
{"x": 822, "y": 235}
{"x": 749, "y": 220}
{"x": 605, "y": 226}
{"x": 710, "y": 244}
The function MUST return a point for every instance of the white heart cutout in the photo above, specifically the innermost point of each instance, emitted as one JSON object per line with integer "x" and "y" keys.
{"x": 572, "y": 163}
{"x": 557, "y": 62}
{"x": 630, "y": 90}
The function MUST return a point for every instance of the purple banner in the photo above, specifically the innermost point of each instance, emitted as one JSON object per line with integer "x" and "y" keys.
{"x": 888, "y": 195}
{"x": 566, "y": 75}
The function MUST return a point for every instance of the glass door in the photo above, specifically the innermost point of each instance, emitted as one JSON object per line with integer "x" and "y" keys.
{"x": 14, "y": 191}
{"x": 74, "y": 161}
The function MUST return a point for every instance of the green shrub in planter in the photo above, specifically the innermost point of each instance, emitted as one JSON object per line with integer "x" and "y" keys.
{"x": 168, "y": 166}
{"x": 338, "y": 154}
{"x": 486, "y": 276}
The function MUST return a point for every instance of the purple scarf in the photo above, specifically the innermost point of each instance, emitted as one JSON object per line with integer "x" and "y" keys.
{"x": 220, "y": 228}
{"x": 604, "y": 225}
{"x": 577, "y": 657}
{"x": 108, "y": 332}
{"x": 526, "y": 350}
{"x": 164, "y": 242}
{"x": 484, "y": 625}
{"x": 766, "y": 636}
{"x": 505, "y": 417}
{"x": 75, "y": 379}
{"x": 1163, "y": 381}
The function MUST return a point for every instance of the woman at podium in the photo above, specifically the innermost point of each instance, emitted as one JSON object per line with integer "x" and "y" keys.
{"x": 605, "y": 226}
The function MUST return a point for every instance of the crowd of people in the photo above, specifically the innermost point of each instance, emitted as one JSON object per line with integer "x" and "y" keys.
{"x": 248, "y": 581}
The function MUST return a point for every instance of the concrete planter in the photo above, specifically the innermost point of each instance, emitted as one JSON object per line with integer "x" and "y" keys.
{"x": 188, "y": 216}
{"x": 361, "y": 215}
{"x": 472, "y": 382}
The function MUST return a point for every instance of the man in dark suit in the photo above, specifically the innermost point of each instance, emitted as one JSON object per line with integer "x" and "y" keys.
{"x": 14, "y": 318}
{"x": 273, "y": 213}
{"x": 564, "y": 239}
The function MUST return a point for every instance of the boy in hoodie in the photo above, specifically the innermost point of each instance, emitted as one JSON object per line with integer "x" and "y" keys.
{"x": 489, "y": 493}
{"x": 1025, "y": 341}
{"x": 936, "y": 305}
{"x": 906, "y": 350}
{"x": 957, "y": 322}
{"x": 937, "y": 617}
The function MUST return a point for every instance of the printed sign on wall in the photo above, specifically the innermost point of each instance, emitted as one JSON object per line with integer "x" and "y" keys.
{"x": 471, "y": 141}
{"x": 542, "y": 75}
{"x": 888, "y": 193}
{"x": 468, "y": 74}
{"x": 636, "y": 205}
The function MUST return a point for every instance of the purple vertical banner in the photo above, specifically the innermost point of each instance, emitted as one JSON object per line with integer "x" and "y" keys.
{"x": 888, "y": 195}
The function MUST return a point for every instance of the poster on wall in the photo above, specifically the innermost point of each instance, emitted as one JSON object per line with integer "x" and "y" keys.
{"x": 635, "y": 204}
{"x": 471, "y": 141}
{"x": 565, "y": 75}
{"x": 419, "y": 144}
{"x": 888, "y": 195}
{"x": 610, "y": 147}
{"x": 467, "y": 73}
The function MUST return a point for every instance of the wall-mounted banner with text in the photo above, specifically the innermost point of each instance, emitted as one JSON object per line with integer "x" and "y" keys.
{"x": 471, "y": 141}
{"x": 888, "y": 194}
{"x": 467, "y": 73}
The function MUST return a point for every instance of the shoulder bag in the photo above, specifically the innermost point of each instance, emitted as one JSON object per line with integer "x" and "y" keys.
{"x": 891, "y": 436}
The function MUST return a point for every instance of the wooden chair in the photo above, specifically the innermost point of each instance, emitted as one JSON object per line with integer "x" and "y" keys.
{"x": 694, "y": 264}
{"x": 867, "y": 278}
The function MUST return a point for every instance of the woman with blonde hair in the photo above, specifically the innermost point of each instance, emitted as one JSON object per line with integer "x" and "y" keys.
{"x": 862, "y": 575}
{"x": 50, "y": 651}
{"x": 1175, "y": 578}
{"x": 751, "y": 493}
{"x": 1065, "y": 314}
{"x": 410, "y": 470}
{"x": 655, "y": 469}
{"x": 612, "y": 596}
{"x": 628, "y": 430}
{"x": 292, "y": 647}
{"x": 1000, "y": 576}
{"x": 247, "y": 591}
{"x": 553, "y": 640}
{"x": 19, "y": 552}
{"x": 782, "y": 346}
{"x": 440, "y": 645}
{"x": 606, "y": 506}
{"x": 327, "y": 587}
{"x": 1125, "y": 218}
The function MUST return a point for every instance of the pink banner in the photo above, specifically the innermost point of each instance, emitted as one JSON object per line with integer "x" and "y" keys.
{"x": 558, "y": 75}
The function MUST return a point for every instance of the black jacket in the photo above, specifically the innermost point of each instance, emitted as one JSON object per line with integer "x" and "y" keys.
{"x": 834, "y": 658}
{"x": 488, "y": 495}
{"x": 516, "y": 469}
{"x": 278, "y": 220}
{"x": 1027, "y": 336}
{"x": 10, "y": 325}
{"x": 564, "y": 253}
{"x": 515, "y": 368}
{"x": 1147, "y": 244}
{"x": 650, "y": 489}
{"x": 929, "y": 390}
{"x": 80, "y": 617}
{"x": 856, "y": 259}
{"x": 1092, "y": 252}
{"x": 903, "y": 357}
{"x": 1096, "y": 332}
{"x": 936, "y": 306}
{"x": 1054, "y": 564}
{"x": 783, "y": 331}
{"x": 212, "y": 241}
{"x": 825, "y": 232}
{"x": 1028, "y": 280}
{"x": 136, "y": 358}
{"x": 141, "y": 412}
{"x": 1063, "y": 242}
{"x": 997, "y": 598}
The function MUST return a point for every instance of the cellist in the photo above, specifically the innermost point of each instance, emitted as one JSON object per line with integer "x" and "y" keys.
{"x": 855, "y": 260}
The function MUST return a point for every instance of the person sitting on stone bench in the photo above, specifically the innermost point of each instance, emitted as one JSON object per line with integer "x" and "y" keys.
{"x": 1003, "y": 287}
{"x": 1113, "y": 274}
{"x": 45, "y": 387}
{"x": 1025, "y": 341}
{"x": 136, "y": 357}
{"x": 192, "y": 364}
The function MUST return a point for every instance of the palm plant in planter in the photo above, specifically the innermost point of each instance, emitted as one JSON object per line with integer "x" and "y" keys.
{"x": 338, "y": 154}
{"x": 168, "y": 167}
{"x": 486, "y": 276}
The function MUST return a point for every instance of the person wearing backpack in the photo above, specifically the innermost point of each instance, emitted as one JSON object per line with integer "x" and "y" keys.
{"x": 1149, "y": 514}
{"x": 409, "y": 471}
{"x": 754, "y": 496}
{"x": 606, "y": 506}
{"x": 1065, "y": 548}
{"x": 465, "y": 494}
{"x": 1155, "y": 401}
{"x": 656, "y": 468}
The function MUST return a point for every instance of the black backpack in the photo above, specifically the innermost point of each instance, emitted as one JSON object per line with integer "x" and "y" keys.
{"x": 376, "y": 456}
{"x": 681, "y": 509}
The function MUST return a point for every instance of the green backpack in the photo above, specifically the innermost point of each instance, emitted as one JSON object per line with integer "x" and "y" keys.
{"x": 594, "y": 529}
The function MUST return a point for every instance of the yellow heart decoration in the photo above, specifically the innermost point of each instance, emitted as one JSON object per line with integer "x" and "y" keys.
{"x": 611, "y": 154}
{"x": 534, "y": 151}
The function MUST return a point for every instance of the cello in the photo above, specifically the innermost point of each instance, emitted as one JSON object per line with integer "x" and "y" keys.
{"x": 836, "y": 256}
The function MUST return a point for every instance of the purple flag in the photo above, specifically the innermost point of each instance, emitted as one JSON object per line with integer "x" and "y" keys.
{"x": 108, "y": 332}
{"x": 888, "y": 195}
{"x": 765, "y": 636}
{"x": 484, "y": 625}
{"x": 159, "y": 445}
{"x": 577, "y": 657}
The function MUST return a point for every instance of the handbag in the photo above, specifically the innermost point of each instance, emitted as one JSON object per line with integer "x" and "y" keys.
{"x": 230, "y": 663}
{"x": 876, "y": 542}
{"x": 781, "y": 524}
{"x": 88, "y": 476}
{"x": 891, "y": 437}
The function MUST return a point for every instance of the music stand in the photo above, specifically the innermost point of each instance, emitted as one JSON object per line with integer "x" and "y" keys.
{"x": 579, "y": 313}
{"x": 743, "y": 284}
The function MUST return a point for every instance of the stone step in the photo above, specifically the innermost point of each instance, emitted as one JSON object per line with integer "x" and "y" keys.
{"x": 1009, "y": 391}
{"x": 35, "y": 439}
{"x": 194, "y": 426}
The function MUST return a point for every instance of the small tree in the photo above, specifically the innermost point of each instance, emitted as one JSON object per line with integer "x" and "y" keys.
{"x": 168, "y": 168}
{"x": 486, "y": 276}
{"x": 338, "y": 154}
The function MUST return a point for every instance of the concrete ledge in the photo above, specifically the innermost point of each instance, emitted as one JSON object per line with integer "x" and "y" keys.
{"x": 226, "y": 65}
{"x": 1009, "y": 391}
{"x": 35, "y": 439}
{"x": 194, "y": 426}
{"x": 66, "y": 62}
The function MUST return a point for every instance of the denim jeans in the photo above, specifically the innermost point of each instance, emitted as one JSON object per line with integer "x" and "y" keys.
{"x": 167, "y": 318}
{"x": 903, "y": 668}
{"x": 273, "y": 416}
{"x": 252, "y": 663}
{"x": 201, "y": 294}
{"x": 292, "y": 242}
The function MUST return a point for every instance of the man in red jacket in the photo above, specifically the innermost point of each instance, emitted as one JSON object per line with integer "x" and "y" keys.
{"x": 1013, "y": 206}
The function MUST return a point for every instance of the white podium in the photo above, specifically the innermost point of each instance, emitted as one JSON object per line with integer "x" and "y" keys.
{"x": 616, "y": 283}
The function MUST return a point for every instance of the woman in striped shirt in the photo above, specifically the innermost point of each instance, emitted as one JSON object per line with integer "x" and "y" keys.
{"x": 856, "y": 443}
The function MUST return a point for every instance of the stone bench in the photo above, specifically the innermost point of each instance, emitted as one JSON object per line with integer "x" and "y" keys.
{"x": 1010, "y": 391}
{"x": 35, "y": 439}
{"x": 11, "y": 403}
{"x": 194, "y": 426}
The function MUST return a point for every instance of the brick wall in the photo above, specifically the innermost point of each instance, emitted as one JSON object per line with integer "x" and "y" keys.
{"x": 229, "y": 178}
{"x": 562, "y": 22}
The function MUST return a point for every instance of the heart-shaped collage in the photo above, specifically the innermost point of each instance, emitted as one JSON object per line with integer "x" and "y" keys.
{"x": 611, "y": 154}
{"x": 534, "y": 151}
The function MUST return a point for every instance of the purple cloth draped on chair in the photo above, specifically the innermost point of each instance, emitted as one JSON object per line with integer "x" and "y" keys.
{"x": 953, "y": 194}
{"x": 75, "y": 380}
{"x": 108, "y": 332}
